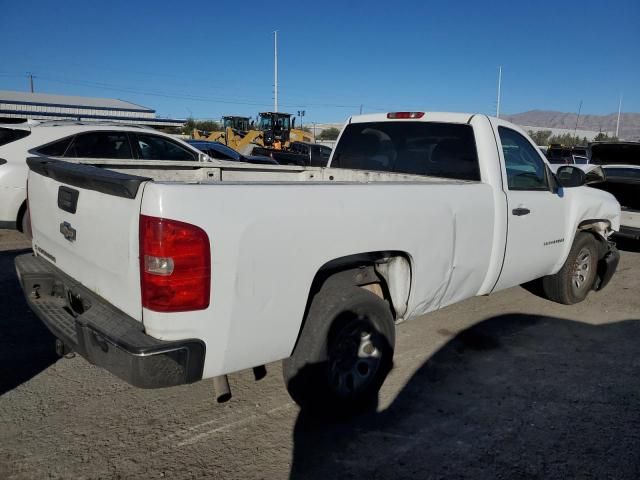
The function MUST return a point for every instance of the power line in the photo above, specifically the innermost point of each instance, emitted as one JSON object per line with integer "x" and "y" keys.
{"x": 186, "y": 96}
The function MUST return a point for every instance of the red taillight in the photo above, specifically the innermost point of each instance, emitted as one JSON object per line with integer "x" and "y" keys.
{"x": 175, "y": 265}
{"x": 397, "y": 115}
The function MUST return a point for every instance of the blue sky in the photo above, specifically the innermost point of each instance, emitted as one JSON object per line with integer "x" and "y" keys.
{"x": 206, "y": 59}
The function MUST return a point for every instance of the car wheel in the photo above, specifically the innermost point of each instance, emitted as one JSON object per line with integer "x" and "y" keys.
{"x": 578, "y": 274}
{"x": 344, "y": 352}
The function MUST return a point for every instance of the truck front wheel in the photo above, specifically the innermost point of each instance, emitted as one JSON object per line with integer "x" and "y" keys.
{"x": 578, "y": 274}
{"x": 344, "y": 352}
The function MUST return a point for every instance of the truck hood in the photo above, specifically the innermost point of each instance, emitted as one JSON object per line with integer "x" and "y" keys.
{"x": 598, "y": 204}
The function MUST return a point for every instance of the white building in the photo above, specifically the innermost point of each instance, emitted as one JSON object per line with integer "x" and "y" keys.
{"x": 17, "y": 106}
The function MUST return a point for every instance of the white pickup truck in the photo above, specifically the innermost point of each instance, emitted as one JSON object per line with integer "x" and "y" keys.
{"x": 168, "y": 274}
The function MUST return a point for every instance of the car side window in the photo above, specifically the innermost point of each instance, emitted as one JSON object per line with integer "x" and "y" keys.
{"x": 325, "y": 153}
{"x": 100, "y": 145}
{"x": 154, "y": 147}
{"x": 525, "y": 168}
{"x": 55, "y": 149}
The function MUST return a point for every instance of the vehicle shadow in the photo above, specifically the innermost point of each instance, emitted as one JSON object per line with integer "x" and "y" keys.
{"x": 26, "y": 346}
{"x": 513, "y": 397}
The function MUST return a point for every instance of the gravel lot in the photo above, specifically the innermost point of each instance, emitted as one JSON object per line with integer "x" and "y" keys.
{"x": 507, "y": 386}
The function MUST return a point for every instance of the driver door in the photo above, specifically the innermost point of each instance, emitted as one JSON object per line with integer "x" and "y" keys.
{"x": 536, "y": 216}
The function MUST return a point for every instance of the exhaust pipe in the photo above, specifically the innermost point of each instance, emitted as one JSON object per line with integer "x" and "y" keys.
{"x": 222, "y": 389}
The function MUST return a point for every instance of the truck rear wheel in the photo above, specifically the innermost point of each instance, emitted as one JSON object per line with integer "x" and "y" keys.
{"x": 344, "y": 352}
{"x": 578, "y": 274}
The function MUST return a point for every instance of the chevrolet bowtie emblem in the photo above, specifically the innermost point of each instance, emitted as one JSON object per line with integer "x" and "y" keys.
{"x": 68, "y": 231}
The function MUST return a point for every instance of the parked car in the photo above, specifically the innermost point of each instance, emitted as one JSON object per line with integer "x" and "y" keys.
{"x": 169, "y": 281}
{"x": 72, "y": 139}
{"x": 558, "y": 154}
{"x": 303, "y": 154}
{"x": 220, "y": 151}
{"x": 561, "y": 155}
{"x": 317, "y": 154}
{"x": 621, "y": 164}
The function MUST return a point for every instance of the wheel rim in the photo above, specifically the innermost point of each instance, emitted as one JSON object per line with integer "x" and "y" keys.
{"x": 354, "y": 358}
{"x": 581, "y": 269}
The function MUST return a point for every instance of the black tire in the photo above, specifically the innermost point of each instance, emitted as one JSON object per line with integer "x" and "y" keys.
{"x": 20, "y": 220}
{"x": 25, "y": 222}
{"x": 344, "y": 353}
{"x": 578, "y": 274}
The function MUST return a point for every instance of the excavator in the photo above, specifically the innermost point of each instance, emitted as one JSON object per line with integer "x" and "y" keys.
{"x": 273, "y": 131}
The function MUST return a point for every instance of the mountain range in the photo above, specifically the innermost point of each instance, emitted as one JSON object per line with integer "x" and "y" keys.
{"x": 629, "y": 122}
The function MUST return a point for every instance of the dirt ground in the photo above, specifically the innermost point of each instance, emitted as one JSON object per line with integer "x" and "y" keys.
{"x": 506, "y": 386}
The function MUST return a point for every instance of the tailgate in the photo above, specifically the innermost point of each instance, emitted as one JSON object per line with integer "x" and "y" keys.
{"x": 85, "y": 221}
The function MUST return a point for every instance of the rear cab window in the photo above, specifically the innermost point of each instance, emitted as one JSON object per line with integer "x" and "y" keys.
{"x": 419, "y": 148}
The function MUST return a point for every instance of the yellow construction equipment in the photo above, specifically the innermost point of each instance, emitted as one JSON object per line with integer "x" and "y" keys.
{"x": 240, "y": 126}
{"x": 272, "y": 130}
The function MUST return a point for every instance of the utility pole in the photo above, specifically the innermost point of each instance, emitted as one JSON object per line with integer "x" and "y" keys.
{"x": 30, "y": 75}
{"x": 618, "y": 122}
{"x": 275, "y": 70}
{"x": 577, "y": 118}
{"x": 499, "y": 85}
{"x": 361, "y": 109}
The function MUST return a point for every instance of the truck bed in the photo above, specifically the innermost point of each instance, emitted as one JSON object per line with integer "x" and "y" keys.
{"x": 270, "y": 230}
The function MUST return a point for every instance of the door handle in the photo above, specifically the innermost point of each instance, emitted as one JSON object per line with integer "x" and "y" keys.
{"x": 521, "y": 211}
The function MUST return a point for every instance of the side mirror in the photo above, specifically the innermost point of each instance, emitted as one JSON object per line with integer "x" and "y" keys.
{"x": 569, "y": 176}
{"x": 293, "y": 123}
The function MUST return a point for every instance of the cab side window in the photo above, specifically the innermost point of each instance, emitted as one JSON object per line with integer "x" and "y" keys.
{"x": 525, "y": 168}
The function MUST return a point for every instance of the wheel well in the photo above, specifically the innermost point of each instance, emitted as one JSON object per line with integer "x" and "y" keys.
{"x": 386, "y": 274}
{"x": 598, "y": 228}
{"x": 21, "y": 212}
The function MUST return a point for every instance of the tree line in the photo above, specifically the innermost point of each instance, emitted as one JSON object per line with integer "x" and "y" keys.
{"x": 545, "y": 137}
{"x": 213, "y": 126}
